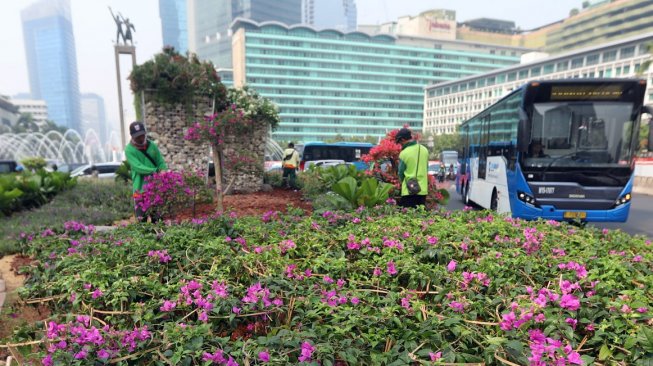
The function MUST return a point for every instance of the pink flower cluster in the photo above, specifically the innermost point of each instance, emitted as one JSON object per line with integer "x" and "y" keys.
{"x": 306, "y": 352}
{"x": 257, "y": 292}
{"x": 298, "y": 275}
{"x": 469, "y": 277}
{"x": 287, "y": 245}
{"x": 270, "y": 216}
{"x": 80, "y": 339}
{"x": 532, "y": 240}
{"x": 78, "y": 226}
{"x": 213, "y": 128}
{"x": 549, "y": 351}
{"x": 218, "y": 357}
{"x": 581, "y": 271}
{"x": 161, "y": 254}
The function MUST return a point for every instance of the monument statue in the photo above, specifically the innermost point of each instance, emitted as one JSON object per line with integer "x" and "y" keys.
{"x": 119, "y": 31}
{"x": 128, "y": 30}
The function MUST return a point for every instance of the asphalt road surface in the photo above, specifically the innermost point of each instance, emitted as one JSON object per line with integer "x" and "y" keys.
{"x": 640, "y": 220}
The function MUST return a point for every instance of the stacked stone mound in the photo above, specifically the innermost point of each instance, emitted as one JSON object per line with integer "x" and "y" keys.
{"x": 167, "y": 125}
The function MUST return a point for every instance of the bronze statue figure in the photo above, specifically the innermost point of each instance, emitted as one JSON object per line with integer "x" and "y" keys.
{"x": 128, "y": 30}
{"x": 119, "y": 31}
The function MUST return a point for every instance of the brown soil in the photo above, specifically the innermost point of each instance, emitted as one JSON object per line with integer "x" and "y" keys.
{"x": 255, "y": 204}
{"x": 13, "y": 313}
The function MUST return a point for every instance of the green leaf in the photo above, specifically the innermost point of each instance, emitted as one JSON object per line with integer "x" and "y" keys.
{"x": 645, "y": 339}
{"x": 604, "y": 352}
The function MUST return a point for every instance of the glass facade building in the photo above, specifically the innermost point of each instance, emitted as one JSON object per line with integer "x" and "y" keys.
{"x": 174, "y": 24}
{"x": 339, "y": 14}
{"x": 328, "y": 83}
{"x": 51, "y": 60}
{"x": 210, "y": 23}
{"x": 447, "y": 104}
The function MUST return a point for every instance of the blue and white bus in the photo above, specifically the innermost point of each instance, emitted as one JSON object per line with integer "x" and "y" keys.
{"x": 557, "y": 149}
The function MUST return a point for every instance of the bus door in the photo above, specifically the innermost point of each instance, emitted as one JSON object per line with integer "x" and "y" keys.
{"x": 483, "y": 150}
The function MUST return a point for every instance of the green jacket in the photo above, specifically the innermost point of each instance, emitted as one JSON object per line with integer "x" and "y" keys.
{"x": 408, "y": 167}
{"x": 141, "y": 166}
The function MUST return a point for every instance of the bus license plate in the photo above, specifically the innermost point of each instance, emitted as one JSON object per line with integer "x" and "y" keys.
{"x": 575, "y": 215}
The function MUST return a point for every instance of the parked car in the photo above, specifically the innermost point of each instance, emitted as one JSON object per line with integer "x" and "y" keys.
{"x": 8, "y": 166}
{"x": 69, "y": 167}
{"x": 105, "y": 170}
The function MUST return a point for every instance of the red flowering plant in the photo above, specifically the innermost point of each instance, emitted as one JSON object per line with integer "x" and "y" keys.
{"x": 384, "y": 164}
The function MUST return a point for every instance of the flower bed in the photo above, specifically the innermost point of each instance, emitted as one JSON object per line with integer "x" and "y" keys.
{"x": 373, "y": 287}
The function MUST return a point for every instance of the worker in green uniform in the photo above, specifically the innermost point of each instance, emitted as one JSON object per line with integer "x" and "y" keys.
{"x": 144, "y": 158}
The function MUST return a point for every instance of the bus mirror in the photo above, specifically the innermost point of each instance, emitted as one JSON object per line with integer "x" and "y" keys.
{"x": 524, "y": 132}
{"x": 648, "y": 109}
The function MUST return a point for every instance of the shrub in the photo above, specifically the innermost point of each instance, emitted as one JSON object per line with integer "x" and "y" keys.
{"x": 165, "y": 193}
{"x": 275, "y": 179}
{"x": 376, "y": 286}
{"x": 98, "y": 202}
{"x": 29, "y": 190}
{"x": 34, "y": 163}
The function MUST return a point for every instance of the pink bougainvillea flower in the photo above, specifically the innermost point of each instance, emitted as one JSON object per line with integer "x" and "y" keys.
{"x": 391, "y": 268}
{"x": 451, "y": 266}
{"x": 306, "y": 352}
{"x": 569, "y": 302}
{"x": 435, "y": 356}
{"x": 264, "y": 356}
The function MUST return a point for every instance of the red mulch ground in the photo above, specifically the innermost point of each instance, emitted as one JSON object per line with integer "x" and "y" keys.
{"x": 255, "y": 204}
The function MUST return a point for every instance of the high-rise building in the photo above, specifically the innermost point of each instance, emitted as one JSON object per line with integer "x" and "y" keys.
{"x": 334, "y": 14}
{"x": 94, "y": 116}
{"x": 447, "y": 104}
{"x": 210, "y": 20}
{"x": 174, "y": 24}
{"x": 328, "y": 83}
{"x": 51, "y": 60}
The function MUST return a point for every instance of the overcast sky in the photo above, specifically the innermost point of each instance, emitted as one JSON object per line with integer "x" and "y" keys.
{"x": 94, "y": 31}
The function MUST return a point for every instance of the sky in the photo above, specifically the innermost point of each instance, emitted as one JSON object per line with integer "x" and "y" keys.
{"x": 94, "y": 31}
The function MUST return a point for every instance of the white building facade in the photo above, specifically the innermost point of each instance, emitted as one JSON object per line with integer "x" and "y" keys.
{"x": 448, "y": 104}
{"x": 36, "y": 107}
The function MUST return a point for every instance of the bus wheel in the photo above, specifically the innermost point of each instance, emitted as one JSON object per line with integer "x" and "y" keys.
{"x": 494, "y": 204}
{"x": 466, "y": 199}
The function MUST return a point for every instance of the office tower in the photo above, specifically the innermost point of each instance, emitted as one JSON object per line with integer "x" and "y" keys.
{"x": 51, "y": 62}
{"x": 174, "y": 24}
{"x": 334, "y": 14}
{"x": 210, "y": 20}
{"x": 94, "y": 116}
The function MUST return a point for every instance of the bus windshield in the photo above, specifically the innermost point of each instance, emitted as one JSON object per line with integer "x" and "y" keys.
{"x": 580, "y": 134}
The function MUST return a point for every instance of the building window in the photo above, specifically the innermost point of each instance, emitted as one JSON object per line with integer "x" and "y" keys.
{"x": 592, "y": 60}
{"x": 562, "y": 66}
{"x": 536, "y": 71}
{"x": 627, "y": 52}
{"x": 512, "y": 76}
{"x": 523, "y": 74}
{"x": 609, "y": 56}
{"x": 548, "y": 69}
{"x": 576, "y": 63}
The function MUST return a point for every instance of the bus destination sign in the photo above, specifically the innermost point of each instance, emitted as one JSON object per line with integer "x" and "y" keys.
{"x": 586, "y": 92}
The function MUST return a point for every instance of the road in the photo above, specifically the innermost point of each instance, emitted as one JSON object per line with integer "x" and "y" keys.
{"x": 640, "y": 220}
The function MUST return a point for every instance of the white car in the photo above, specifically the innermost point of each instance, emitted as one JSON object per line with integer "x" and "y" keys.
{"x": 105, "y": 170}
{"x": 323, "y": 163}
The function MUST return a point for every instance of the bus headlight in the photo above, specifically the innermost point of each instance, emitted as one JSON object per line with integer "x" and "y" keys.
{"x": 525, "y": 197}
{"x": 623, "y": 199}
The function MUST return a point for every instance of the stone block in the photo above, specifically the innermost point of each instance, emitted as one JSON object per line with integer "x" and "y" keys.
{"x": 3, "y": 287}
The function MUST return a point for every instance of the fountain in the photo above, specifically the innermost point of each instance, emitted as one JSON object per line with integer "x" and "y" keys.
{"x": 69, "y": 147}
